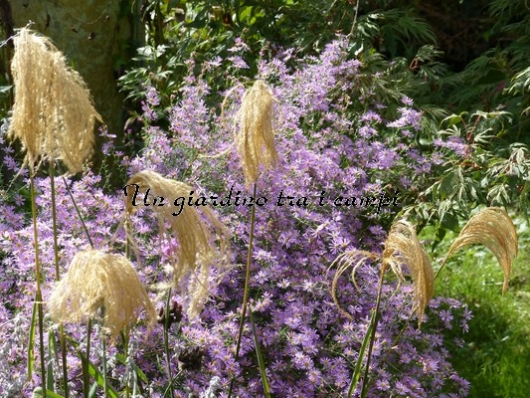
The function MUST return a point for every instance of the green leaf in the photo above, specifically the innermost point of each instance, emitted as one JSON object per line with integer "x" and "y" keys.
{"x": 358, "y": 366}
{"x": 98, "y": 377}
{"x": 31, "y": 343}
{"x": 52, "y": 352}
{"x": 447, "y": 185}
{"x": 123, "y": 359}
{"x": 37, "y": 393}
{"x": 261, "y": 362}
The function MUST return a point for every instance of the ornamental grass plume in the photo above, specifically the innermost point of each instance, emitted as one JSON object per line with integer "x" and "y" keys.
{"x": 402, "y": 247}
{"x": 255, "y": 138}
{"x": 97, "y": 280}
{"x": 493, "y": 228}
{"x": 351, "y": 259}
{"x": 53, "y": 114}
{"x": 195, "y": 242}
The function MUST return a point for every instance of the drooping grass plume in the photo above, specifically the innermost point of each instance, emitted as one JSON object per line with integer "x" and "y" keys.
{"x": 255, "y": 144}
{"x": 97, "y": 280}
{"x": 352, "y": 259}
{"x": 493, "y": 228}
{"x": 255, "y": 138}
{"x": 402, "y": 247}
{"x": 53, "y": 114}
{"x": 195, "y": 250}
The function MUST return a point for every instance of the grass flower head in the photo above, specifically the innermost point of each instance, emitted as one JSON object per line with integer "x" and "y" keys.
{"x": 53, "y": 114}
{"x": 195, "y": 251}
{"x": 98, "y": 280}
{"x": 255, "y": 138}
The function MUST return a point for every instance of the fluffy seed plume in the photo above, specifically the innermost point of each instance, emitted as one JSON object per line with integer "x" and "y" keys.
{"x": 493, "y": 228}
{"x": 53, "y": 115}
{"x": 99, "y": 281}
{"x": 255, "y": 138}
{"x": 195, "y": 249}
{"x": 402, "y": 247}
{"x": 352, "y": 259}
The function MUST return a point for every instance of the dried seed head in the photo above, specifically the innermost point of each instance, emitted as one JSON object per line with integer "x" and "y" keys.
{"x": 175, "y": 314}
{"x": 493, "y": 228}
{"x": 53, "y": 114}
{"x": 255, "y": 138}
{"x": 351, "y": 259}
{"x": 95, "y": 281}
{"x": 195, "y": 251}
{"x": 403, "y": 247}
{"x": 191, "y": 358}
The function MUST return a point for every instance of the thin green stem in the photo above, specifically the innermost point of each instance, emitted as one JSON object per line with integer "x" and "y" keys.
{"x": 441, "y": 267}
{"x": 86, "y": 375}
{"x": 78, "y": 213}
{"x": 104, "y": 360}
{"x": 57, "y": 276}
{"x": 125, "y": 340}
{"x": 38, "y": 276}
{"x": 364, "y": 390}
{"x": 246, "y": 288}
{"x": 166, "y": 343}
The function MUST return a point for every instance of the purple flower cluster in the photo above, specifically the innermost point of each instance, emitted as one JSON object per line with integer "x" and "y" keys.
{"x": 326, "y": 142}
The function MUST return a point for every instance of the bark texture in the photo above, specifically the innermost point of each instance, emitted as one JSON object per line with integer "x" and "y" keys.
{"x": 92, "y": 34}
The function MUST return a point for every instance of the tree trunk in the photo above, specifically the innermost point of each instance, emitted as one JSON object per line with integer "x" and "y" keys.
{"x": 92, "y": 34}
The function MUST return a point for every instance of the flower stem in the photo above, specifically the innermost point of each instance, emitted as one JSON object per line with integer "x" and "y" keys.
{"x": 166, "y": 343}
{"x": 57, "y": 276}
{"x": 79, "y": 213}
{"x": 86, "y": 375}
{"x": 247, "y": 285}
{"x": 364, "y": 390}
{"x": 38, "y": 294}
{"x": 104, "y": 360}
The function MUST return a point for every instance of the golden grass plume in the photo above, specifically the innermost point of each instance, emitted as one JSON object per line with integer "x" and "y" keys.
{"x": 255, "y": 138}
{"x": 349, "y": 260}
{"x": 53, "y": 114}
{"x": 493, "y": 228}
{"x": 97, "y": 280}
{"x": 402, "y": 247}
{"x": 196, "y": 250}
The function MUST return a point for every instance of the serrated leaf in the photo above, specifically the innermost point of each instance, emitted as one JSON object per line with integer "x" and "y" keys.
{"x": 447, "y": 185}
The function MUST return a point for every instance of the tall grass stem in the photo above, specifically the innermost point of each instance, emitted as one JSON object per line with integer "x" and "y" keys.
{"x": 58, "y": 276}
{"x": 166, "y": 342}
{"x": 364, "y": 390}
{"x": 78, "y": 212}
{"x": 86, "y": 374}
{"x": 38, "y": 294}
{"x": 247, "y": 285}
